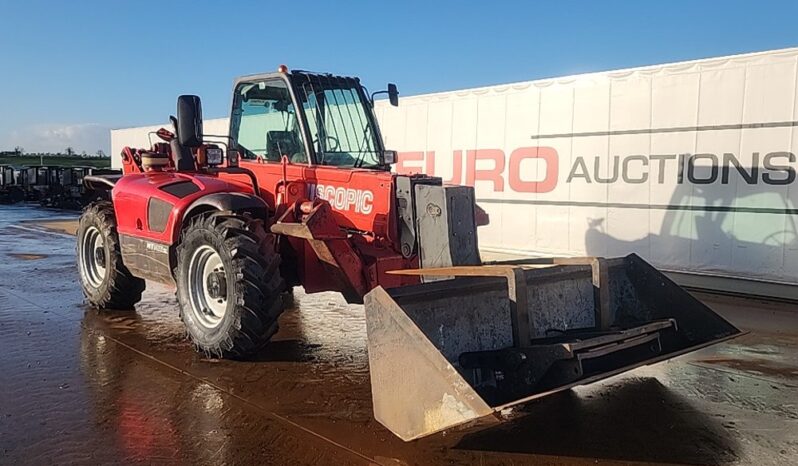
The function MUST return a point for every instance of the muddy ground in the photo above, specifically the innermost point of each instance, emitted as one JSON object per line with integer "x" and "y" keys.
{"x": 78, "y": 386}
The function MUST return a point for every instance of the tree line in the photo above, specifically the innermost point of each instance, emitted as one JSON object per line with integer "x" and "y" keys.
{"x": 19, "y": 151}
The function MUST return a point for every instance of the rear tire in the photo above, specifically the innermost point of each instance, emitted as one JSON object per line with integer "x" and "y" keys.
{"x": 106, "y": 282}
{"x": 228, "y": 284}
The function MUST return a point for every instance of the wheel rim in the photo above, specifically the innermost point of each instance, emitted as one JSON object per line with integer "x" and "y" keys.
{"x": 93, "y": 260}
{"x": 207, "y": 287}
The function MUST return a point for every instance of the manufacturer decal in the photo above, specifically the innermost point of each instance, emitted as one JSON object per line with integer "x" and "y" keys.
{"x": 157, "y": 247}
{"x": 360, "y": 201}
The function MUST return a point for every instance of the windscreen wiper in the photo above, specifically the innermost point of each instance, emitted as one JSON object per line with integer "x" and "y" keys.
{"x": 361, "y": 155}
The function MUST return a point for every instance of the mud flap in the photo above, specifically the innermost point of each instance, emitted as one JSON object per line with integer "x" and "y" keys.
{"x": 448, "y": 352}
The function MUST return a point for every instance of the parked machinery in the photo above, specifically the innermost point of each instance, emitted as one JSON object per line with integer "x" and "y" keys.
{"x": 10, "y": 190}
{"x": 60, "y": 187}
{"x": 67, "y": 190}
{"x": 305, "y": 196}
{"x": 36, "y": 180}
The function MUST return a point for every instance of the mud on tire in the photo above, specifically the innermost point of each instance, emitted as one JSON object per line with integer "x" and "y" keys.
{"x": 228, "y": 284}
{"x": 106, "y": 282}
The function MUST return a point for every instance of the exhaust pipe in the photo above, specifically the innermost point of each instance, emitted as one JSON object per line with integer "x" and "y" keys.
{"x": 448, "y": 352}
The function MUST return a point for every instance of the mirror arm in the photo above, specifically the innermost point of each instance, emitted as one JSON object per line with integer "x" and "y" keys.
{"x": 173, "y": 120}
{"x": 376, "y": 93}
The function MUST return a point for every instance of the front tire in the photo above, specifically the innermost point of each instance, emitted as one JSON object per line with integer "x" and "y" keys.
{"x": 106, "y": 282}
{"x": 228, "y": 284}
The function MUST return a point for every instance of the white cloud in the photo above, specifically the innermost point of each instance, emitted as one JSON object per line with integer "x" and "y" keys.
{"x": 89, "y": 137}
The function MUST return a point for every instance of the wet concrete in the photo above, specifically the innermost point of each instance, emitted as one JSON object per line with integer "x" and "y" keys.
{"x": 78, "y": 386}
{"x": 26, "y": 256}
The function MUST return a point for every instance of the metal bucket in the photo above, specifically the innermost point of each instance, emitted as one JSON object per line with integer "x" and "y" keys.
{"x": 447, "y": 352}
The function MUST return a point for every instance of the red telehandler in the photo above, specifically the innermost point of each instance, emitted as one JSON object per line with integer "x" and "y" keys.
{"x": 301, "y": 193}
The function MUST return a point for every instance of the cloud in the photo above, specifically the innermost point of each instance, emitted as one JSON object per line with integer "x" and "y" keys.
{"x": 89, "y": 137}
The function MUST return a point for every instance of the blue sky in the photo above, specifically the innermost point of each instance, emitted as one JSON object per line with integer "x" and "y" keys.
{"x": 69, "y": 71}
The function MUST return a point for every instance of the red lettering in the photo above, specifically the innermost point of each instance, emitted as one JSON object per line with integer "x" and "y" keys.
{"x": 403, "y": 157}
{"x": 457, "y": 167}
{"x": 548, "y": 183}
{"x": 430, "y": 163}
{"x": 493, "y": 174}
{"x": 424, "y": 162}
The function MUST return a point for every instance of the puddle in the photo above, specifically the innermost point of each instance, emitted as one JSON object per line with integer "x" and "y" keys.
{"x": 754, "y": 366}
{"x": 26, "y": 256}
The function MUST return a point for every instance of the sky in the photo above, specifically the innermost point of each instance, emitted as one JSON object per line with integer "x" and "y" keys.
{"x": 71, "y": 71}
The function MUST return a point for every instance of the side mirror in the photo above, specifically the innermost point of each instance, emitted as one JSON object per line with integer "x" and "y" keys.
{"x": 393, "y": 94}
{"x": 189, "y": 121}
{"x": 389, "y": 157}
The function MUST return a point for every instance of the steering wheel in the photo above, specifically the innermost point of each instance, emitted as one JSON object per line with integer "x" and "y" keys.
{"x": 331, "y": 148}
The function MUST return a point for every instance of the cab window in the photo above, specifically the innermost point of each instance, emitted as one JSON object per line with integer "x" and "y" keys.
{"x": 341, "y": 131}
{"x": 264, "y": 122}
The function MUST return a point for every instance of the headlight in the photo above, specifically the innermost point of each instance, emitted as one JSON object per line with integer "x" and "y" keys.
{"x": 389, "y": 157}
{"x": 214, "y": 155}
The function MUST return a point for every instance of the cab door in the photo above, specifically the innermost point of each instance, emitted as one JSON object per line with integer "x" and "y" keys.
{"x": 267, "y": 127}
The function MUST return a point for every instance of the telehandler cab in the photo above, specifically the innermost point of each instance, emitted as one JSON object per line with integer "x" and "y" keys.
{"x": 301, "y": 193}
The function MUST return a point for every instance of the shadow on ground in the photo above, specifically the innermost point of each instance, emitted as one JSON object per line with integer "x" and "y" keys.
{"x": 636, "y": 420}
{"x": 291, "y": 350}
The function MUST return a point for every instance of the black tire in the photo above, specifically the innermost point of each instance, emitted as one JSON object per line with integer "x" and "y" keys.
{"x": 115, "y": 287}
{"x": 243, "y": 320}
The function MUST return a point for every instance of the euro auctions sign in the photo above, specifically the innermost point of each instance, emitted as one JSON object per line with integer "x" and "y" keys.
{"x": 691, "y": 165}
{"x": 505, "y": 172}
{"x": 502, "y": 171}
